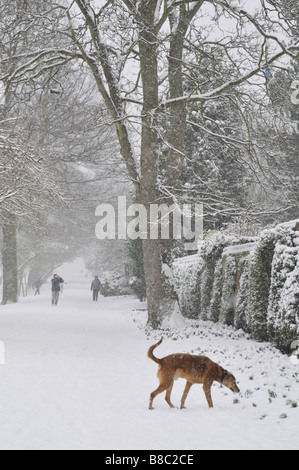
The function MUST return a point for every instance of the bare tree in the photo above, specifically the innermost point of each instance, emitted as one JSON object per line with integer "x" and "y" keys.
{"x": 28, "y": 182}
{"x": 156, "y": 31}
{"x": 28, "y": 187}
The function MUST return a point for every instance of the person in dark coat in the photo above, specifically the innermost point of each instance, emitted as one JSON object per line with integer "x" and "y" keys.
{"x": 56, "y": 287}
{"x": 37, "y": 286}
{"x": 95, "y": 288}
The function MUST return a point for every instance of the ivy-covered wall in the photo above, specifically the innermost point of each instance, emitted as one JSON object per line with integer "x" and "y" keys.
{"x": 252, "y": 284}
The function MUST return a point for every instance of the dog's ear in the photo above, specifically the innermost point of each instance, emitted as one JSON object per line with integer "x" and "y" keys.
{"x": 225, "y": 375}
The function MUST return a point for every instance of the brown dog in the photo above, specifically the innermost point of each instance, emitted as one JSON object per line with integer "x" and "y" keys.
{"x": 195, "y": 369}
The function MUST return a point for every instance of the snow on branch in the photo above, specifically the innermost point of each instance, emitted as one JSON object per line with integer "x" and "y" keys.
{"x": 239, "y": 12}
{"x": 27, "y": 182}
{"x": 40, "y": 60}
{"x": 222, "y": 88}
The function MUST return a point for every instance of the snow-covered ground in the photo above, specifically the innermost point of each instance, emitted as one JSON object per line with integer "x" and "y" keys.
{"x": 77, "y": 377}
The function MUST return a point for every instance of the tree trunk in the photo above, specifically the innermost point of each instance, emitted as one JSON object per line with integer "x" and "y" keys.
{"x": 9, "y": 260}
{"x": 159, "y": 303}
{"x": 177, "y": 111}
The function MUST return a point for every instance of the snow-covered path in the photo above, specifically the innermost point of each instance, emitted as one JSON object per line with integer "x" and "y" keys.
{"x": 77, "y": 377}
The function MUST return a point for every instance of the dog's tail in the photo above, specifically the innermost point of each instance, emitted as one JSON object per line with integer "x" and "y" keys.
{"x": 150, "y": 354}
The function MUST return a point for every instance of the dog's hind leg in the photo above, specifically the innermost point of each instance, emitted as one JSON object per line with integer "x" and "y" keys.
{"x": 168, "y": 394}
{"x": 185, "y": 394}
{"x": 156, "y": 392}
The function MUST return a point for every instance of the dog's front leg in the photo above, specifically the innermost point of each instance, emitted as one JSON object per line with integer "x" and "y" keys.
{"x": 207, "y": 390}
{"x": 185, "y": 394}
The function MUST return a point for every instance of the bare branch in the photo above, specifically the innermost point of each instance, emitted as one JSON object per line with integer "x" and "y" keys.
{"x": 242, "y": 13}
{"x": 223, "y": 88}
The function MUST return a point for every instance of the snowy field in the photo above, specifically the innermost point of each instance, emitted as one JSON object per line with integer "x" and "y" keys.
{"x": 77, "y": 377}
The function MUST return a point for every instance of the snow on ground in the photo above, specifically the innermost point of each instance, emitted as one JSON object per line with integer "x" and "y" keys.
{"x": 77, "y": 377}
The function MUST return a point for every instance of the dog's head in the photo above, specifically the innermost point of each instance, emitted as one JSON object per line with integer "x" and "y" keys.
{"x": 229, "y": 381}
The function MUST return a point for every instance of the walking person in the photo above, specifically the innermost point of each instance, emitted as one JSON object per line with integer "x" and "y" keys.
{"x": 95, "y": 288}
{"x": 57, "y": 281}
{"x": 37, "y": 286}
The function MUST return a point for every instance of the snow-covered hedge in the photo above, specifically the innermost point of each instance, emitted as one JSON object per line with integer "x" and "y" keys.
{"x": 252, "y": 284}
{"x": 283, "y": 310}
{"x": 187, "y": 275}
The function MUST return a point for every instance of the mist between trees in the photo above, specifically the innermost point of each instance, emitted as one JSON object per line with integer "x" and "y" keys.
{"x": 163, "y": 101}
